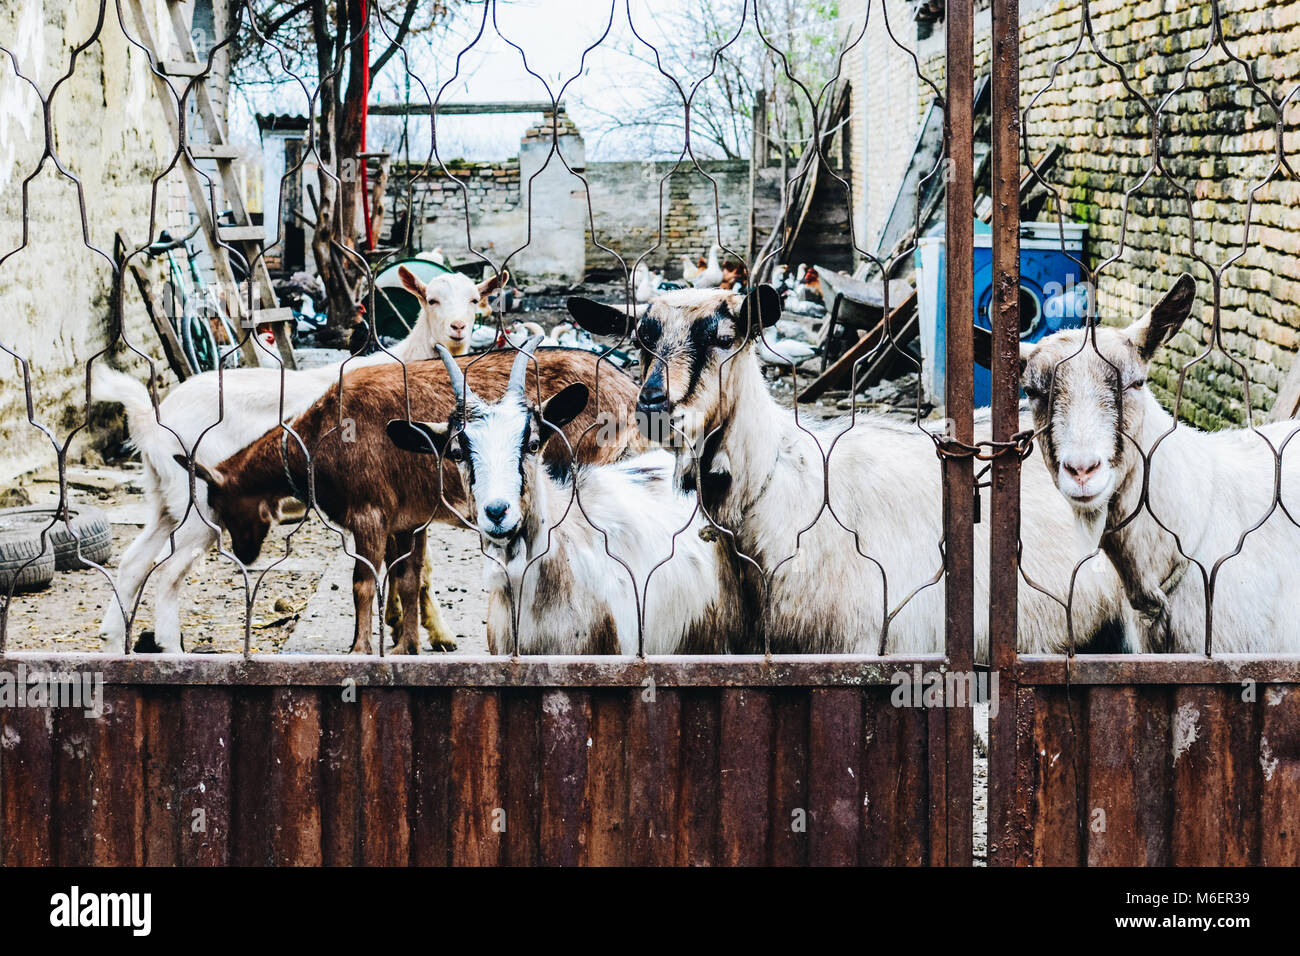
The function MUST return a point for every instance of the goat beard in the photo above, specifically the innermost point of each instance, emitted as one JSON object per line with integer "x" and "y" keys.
{"x": 1089, "y": 526}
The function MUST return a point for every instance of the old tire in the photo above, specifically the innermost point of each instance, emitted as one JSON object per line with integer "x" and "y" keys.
{"x": 18, "y": 571}
{"x": 90, "y": 540}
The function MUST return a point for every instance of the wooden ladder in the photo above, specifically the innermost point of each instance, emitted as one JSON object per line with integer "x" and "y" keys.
{"x": 213, "y": 144}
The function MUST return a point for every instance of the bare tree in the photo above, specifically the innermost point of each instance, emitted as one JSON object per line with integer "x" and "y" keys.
{"x": 749, "y": 45}
{"x": 333, "y": 42}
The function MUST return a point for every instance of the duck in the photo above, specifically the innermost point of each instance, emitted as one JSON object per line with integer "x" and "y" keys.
{"x": 711, "y": 276}
{"x": 786, "y": 353}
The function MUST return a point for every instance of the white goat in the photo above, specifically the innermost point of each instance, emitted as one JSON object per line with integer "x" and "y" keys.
{"x": 1103, "y": 433}
{"x": 843, "y": 563}
{"x": 210, "y": 417}
{"x": 558, "y": 551}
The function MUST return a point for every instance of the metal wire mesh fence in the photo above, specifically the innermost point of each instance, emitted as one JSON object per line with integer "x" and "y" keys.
{"x": 644, "y": 478}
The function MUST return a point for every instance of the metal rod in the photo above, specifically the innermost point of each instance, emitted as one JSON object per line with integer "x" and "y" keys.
{"x": 1004, "y": 518}
{"x": 958, "y": 473}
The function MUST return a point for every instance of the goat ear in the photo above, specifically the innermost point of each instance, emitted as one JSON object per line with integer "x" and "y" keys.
{"x": 1165, "y": 318}
{"x": 488, "y": 286}
{"x": 410, "y": 282}
{"x": 563, "y": 407}
{"x": 424, "y": 438}
{"x": 208, "y": 475}
{"x": 760, "y": 310}
{"x": 982, "y": 346}
{"x": 599, "y": 318}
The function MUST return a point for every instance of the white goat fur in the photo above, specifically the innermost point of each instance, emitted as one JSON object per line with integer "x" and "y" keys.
{"x": 190, "y": 421}
{"x": 884, "y": 484}
{"x": 557, "y": 564}
{"x": 1206, "y": 488}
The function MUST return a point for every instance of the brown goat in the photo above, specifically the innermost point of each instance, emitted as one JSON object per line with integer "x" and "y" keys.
{"x": 385, "y": 496}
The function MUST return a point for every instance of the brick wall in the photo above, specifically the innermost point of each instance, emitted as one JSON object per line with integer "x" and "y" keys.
{"x": 625, "y": 203}
{"x": 1218, "y": 143}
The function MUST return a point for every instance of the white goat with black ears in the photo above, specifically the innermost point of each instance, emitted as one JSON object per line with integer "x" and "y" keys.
{"x": 568, "y": 558}
{"x": 1171, "y": 504}
{"x": 844, "y": 518}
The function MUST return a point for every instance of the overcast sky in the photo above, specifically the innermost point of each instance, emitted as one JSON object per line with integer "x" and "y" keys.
{"x": 553, "y": 35}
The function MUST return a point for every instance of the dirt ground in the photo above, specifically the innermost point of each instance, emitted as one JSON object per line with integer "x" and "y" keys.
{"x": 296, "y": 559}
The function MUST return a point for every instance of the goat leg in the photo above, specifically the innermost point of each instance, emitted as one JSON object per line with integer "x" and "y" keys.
{"x": 369, "y": 540}
{"x": 440, "y": 637}
{"x": 405, "y": 560}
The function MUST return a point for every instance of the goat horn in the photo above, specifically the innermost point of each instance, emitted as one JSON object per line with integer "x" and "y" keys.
{"x": 520, "y": 368}
{"x": 457, "y": 377}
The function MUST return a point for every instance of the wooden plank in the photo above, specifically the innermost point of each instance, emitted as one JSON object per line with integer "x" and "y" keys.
{"x": 521, "y": 786}
{"x": 834, "y": 775}
{"x": 744, "y": 761}
{"x": 896, "y": 323}
{"x": 115, "y": 757}
{"x": 183, "y": 68}
{"x": 788, "y": 837}
{"x": 215, "y": 151}
{"x": 566, "y": 728}
{"x": 340, "y": 775}
{"x": 461, "y": 109}
{"x": 654, "y": 755}
{"x": 476, "y": 778}
{"x": 294, "y": 784}
{"x": 1207, "y": 788}
{"x": 251, "y": 811}
{"x": 902, "y": 808}
{"x": 203, "y": 734}
{"x": 607, "y": 778}
{"x": 26, "y": 777}
{"x": 386, "y": 776}
{"x": 241, "y": 233}
{"x": 1279, "y": 761}
{"x": 1287, "y": 403}
{"x": 1060, "y": 758}
{"x": 160, "y": 721}
{"x": 698, "y": 794}
{"x": 72, "y": 801}
{"x": 431, "y": 760}
{"x": 177, "y": 360}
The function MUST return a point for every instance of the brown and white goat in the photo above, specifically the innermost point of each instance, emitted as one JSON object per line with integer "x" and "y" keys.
{"x": 603, "y": 559}
{"x": 211, "y": 416}
{"x": 1176, "y": 509}
{"x": 383, "y": 496}
{"x": 844, "y": 518}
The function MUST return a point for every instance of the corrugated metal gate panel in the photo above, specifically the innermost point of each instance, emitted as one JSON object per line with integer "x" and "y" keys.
{"x": 1132, "y": 773}
{"x": 253, "y": 773}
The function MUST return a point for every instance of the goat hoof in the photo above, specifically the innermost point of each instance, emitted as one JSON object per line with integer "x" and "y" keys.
{"x": 442, "y": 644}
{"x": 146, "y": 643}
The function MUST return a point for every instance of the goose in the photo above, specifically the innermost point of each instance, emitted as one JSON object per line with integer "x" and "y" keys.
{"x": 711, "y": 277}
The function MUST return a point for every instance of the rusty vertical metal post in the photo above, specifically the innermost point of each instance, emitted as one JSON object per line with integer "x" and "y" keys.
{"x": 1004, "y": 529}
{"x": 958, "y": 472}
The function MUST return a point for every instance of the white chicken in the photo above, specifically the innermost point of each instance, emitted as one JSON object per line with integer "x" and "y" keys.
{"x": 647, "y": 282}
{"x": 570, "y": 336}
{"x": 689, "y": 269}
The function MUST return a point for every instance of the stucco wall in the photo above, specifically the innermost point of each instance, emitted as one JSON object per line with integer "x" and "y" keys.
{"x": 109, "y": 132}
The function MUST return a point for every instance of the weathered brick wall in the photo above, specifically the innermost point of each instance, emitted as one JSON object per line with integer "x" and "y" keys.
{"x": 1218, "y": 142}
{"x": 625, "y": 203}
{"x": 110, "y": 133}
{"x": 1218, "y": 146}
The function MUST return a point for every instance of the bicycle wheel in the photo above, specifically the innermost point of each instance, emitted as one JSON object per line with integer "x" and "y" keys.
{"x": 200, "y": 347}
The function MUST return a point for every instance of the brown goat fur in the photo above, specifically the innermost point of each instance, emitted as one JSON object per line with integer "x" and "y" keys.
{"x": 385, "y": 496}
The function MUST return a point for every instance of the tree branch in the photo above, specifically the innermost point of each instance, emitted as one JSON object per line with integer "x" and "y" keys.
{"x": 402, "y": 29}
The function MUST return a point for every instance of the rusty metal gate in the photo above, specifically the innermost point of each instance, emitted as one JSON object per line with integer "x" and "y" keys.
{"x": 756, "y": 758}
{"x": 1182, "y": 759}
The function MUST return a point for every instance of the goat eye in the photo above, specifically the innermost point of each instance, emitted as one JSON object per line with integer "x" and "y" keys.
{"x": 1034, "y": 394}
{"x": 1137, "y": 386}
{"x": 534, "y": 444}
